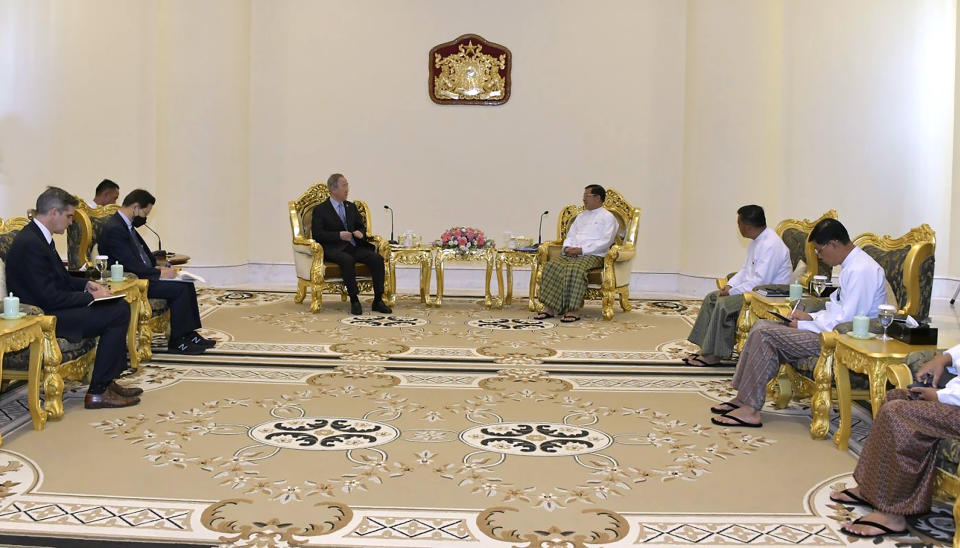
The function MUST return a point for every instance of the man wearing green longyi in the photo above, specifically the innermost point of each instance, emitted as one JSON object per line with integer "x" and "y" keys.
{"x": 563, "y": 284}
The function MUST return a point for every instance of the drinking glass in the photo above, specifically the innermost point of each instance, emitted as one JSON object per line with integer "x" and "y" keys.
{"x": 100, "y": 262}
{"x": 819, "y": 285}
{"x": 885, "y": 314}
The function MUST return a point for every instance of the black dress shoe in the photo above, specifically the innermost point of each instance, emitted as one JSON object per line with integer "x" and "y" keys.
{"x": 125, "y": 391}
{"x": 380, "y": 306}
{"x": 355, "y": 307}
{"x": 199, "y": 340}
{"x": 108, "y": 399}
{"x": 183, "y": 346}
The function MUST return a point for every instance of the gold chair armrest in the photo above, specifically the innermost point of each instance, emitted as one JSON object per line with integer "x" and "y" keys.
{"x": 315, "y": 247}
{"x": 621, "y": 253}
{"x": 543, "y": 252}
{"x": 722, "y": 282}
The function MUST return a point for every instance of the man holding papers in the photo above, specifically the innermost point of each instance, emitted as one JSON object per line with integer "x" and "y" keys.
{"x": 120, "y": 242}
{"x": 862, "y": 291}
{"x": 768, "y": 262}
{"x": 35, "y": 273}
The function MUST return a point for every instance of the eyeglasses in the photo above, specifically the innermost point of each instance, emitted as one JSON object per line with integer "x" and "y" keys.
{"x": 819, "y": 250}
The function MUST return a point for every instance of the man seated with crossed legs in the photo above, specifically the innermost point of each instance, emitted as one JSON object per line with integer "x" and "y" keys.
{"x": 120, "y": 242}
{"x": 36, "y": 274}
{"x": 862, "y": 291}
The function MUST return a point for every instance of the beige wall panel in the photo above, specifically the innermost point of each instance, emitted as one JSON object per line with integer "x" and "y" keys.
{"x": 597, "y": 97}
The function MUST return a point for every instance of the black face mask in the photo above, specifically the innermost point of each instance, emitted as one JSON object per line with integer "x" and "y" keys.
{"x": 138, "y": 221}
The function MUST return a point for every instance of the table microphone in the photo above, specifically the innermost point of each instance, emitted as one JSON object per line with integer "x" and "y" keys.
{"x": 392, "y": 241}
{"x": 160, "y": 251}
{"x": 540, "y": 230}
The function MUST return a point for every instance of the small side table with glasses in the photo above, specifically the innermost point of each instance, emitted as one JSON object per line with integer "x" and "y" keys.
{"x": 416, "y": 255}
{"x": 17, "y": 334}
{"x": 134, "y": 291}
{"x": 511, "y": 258}
{"x": 872, "y": 357}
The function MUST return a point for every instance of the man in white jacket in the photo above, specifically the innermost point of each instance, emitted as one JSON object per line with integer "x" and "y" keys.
{"x": 768, "y": 262}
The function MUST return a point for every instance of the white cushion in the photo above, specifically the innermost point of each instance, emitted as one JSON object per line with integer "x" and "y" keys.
{"x": 799, "y": 271}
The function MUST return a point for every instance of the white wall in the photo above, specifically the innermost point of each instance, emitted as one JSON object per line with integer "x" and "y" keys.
{"x": 228, "y": 109}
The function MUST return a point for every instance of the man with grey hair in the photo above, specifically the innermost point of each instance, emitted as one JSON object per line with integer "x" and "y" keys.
{"x": 340, "y": 228}
{"x": 35, "y": 273}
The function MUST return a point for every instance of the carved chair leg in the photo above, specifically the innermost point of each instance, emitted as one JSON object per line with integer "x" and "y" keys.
{"x": 301, "y": 291}
{"x": 607, "y": 296}
{"x": 316, "y": 299}
{"x": 625, "y": 298}
{"x": 781, "y": 389}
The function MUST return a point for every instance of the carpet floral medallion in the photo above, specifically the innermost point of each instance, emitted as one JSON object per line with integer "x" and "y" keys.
{"x": 360, "y": 455}
{"x": 270, "y": 324}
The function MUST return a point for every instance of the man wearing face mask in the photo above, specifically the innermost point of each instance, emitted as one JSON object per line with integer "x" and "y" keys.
{"x": 120, "y": 242}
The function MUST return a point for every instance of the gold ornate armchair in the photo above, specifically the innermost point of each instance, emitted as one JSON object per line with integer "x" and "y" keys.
{"x": 61, "y": 358}
{"x": 795, "y": 234}
{"x": 322, "y": 277}
{"x": 908, "y": 263}
{"x": 152, "y": 315}
{"x": 613, "y": 279}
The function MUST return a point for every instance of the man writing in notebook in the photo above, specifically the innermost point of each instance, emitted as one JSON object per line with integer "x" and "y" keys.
{"x": 35, "y": 273}
{"x": 120, "y": 242}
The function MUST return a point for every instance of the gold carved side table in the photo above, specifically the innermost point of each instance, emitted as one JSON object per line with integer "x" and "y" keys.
{"x": 134, "y": 291}
{"x": 487, "y": 255}
{"x": 873, "y": 358}
{"x": 510, "y": 258}
{"x": 421, "y": 255}
{"x": 17, "y": 335}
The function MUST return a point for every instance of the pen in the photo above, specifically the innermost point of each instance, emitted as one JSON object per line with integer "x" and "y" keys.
{"x": 795, "y": 307}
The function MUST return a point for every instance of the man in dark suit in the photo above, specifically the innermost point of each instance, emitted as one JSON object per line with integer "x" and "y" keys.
{"x": 120, "y": 242}
{"x": 340, "y": 229}
{"x": 35, "y": 273}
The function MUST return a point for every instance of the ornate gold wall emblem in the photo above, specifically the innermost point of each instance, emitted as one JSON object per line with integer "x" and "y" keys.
{"x": 469, "y": 71}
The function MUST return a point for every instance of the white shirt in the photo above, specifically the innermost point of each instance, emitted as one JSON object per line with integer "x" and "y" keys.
{"x": 862, "y": 290}
{"x": 46, "y": 232}
{"x": 768, "y": 262}
{"x": 92, "y": 204}
{"x": 950, "y": 394}
{"x": 593, "y": 231}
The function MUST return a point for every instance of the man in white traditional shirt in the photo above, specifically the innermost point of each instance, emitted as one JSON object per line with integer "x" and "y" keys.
{"x": 768, "y": 262}
{"x": 106, "y": 193}
{"x": 563, "y": 283}
{"x": 862, "y": 291}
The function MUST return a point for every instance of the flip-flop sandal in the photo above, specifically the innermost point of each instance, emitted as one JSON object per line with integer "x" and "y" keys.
{"x": 698, "y": 362}
{"x": 542, "y": 316}
{"x": 854, "y": 499}
{"x": 724, "y": 408}
{"x": 737, "y": 422}
{"x": 570, "y": 319}
{"x": 886, "y": 530}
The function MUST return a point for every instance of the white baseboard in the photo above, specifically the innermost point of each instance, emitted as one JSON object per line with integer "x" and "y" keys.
{"x": 464, "y": 280}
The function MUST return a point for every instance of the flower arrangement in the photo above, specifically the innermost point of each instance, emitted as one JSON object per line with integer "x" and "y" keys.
{"x": 465, "y": 238}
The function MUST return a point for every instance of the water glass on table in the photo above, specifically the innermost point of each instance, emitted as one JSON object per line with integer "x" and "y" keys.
{"x": 885, "y": 314}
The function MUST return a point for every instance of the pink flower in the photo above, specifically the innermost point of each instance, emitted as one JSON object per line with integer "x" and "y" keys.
{"x": 479, "y": 241}
{"x": 462, "y": 241}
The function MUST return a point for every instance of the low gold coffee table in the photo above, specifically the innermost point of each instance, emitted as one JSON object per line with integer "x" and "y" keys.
{"x": 487, "y": 255}
{"x": 871, "y": 357}
{"x": 421, "y": 255}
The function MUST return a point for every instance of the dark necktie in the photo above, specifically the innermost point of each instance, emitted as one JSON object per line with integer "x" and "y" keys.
{"x": 343, "y": 219}
{"x": 138, "y": 247}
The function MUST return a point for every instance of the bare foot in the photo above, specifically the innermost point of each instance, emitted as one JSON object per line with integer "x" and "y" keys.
{"x": 894, "y": 525}
{"x": 848, "y": 496}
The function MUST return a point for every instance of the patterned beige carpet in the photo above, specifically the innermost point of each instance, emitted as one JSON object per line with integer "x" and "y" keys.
{"x": 270, "y": 324}
{"x": 363, "y": 456}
